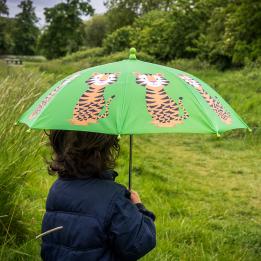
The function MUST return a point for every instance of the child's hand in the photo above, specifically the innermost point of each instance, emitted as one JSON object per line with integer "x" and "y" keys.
{"x": 135, "y": 198}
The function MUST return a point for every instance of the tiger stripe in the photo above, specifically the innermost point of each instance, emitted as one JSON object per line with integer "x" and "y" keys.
{"x": 213, "y": 102}
{"x": 90, "y": 104}
{"x": 164, "y": 110}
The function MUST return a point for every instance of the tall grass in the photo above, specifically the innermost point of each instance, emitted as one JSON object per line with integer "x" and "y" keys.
{"x": 19, "y": 156}
{"x": 84, "y": 59}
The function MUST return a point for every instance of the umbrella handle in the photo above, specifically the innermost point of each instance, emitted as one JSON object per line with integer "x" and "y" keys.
{"x": 130, "y": 162}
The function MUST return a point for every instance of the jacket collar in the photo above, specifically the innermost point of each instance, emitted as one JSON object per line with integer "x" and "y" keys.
{"x": 109, "y": 174}
{"x": 106, "y": 174}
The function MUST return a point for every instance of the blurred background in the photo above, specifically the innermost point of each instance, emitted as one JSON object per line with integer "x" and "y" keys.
{"x": 222, "y": 32}
{"x": 204, "y": 190}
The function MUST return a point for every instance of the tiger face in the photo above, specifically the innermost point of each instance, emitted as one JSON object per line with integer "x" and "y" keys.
{"x": 151, "y": 80}
{"x": 190, "y": 81}
{"x": 102, "y": 79}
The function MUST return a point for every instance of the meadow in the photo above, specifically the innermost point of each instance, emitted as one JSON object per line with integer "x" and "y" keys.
{"x": 204, "y": 190}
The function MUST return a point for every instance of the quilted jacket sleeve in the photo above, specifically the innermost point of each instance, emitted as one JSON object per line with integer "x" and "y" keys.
{"x": 132, "y": 233}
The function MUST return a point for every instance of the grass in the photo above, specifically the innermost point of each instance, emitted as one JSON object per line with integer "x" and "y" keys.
{"x": 84, "y": 59}
{"x": 204, "y": 190}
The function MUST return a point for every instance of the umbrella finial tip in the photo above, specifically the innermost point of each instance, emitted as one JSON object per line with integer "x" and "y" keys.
{"x": 132, "y": 55}
{"x": 250, "y": 130}
{"x": 218, "y": 135}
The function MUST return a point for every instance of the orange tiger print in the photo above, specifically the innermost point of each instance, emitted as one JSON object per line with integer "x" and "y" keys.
{"x": 216, "y": 106}
{"x": 91, "y": 103}
{"x": 163, "y": 109}
{"x": 50, "y": 96}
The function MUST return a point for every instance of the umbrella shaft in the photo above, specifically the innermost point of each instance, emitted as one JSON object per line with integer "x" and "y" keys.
{"x": 130, "y": 163}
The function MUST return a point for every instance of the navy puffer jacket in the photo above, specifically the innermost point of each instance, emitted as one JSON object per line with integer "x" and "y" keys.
{"x": 99, "y": 222}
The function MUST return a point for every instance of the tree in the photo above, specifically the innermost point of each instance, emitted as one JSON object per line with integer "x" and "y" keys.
{"x": 152, "y": 34}
{"x": 95, "y": 30}
{"x": 118, "y": 40}
{"x": 26, "y": 32}
{"x": 210, "y": 45}
{"x": 3, "y": 8}
{"x": 3, "y": 11}
{"x": 243, "y": 30}
{"x": 119, "y": 17}
{"x": 167, "y": 35}
{"x": 124, "y": 12}
{"x": 232, "y": 33}
{"x": 64, "y": 32}
{"x": 141, "y": 7}
{"x": 164, "y": 29}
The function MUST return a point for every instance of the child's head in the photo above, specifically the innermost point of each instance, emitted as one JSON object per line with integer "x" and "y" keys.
{"x": 82, "y": 154}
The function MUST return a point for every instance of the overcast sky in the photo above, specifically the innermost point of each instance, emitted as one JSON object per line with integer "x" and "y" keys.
{"x": 41, "y": 4}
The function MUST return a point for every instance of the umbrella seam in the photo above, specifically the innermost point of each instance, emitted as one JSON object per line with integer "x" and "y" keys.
{"x": 123, "y": 101}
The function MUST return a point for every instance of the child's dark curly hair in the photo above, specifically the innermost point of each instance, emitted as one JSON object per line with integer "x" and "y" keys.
{"x": 82, "y": 154}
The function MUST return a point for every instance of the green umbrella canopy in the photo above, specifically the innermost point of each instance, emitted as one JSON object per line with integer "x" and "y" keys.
{"x": 132, "y": 97}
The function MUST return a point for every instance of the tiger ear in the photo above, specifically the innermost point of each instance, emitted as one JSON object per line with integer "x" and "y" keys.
{"x": 94, "y": 74}
{"x": 160, "y": 74}
{"x": 137, "y": 74}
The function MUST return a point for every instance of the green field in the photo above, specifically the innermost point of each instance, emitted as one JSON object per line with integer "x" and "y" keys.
{"x": 204, "y": 190}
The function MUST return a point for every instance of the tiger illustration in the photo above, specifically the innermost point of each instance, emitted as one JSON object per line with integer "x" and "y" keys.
{"x": 50, "y": 96}
{"x": 164, "y": 110}
{"x": 213, "y": 102}
{"x": 91, "y": 103}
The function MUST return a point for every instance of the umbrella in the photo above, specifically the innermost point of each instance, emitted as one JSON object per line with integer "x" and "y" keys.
{"x": 132, "y": 97}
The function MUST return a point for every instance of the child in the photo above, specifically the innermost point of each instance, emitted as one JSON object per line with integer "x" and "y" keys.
{"x": 92, "y": 217}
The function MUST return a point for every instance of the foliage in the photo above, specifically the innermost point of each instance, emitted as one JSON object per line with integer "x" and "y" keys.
{"x": 64, "y": 31}
{"x": 3, "y": 8}
{"x": 243, "y": 30}
{"x": 190, "y": 64}
{"x": 118, "y": 40}
{"x": 5, "y": 44}
{"x": 83, "y": 54}
{"x": 222, "y": 32}
{"x": 152, "y": 34}
{"x": 140, "y": 7}
{"x": 95, "y": 30}
{"x": 119, "y": 17}
{"x": 233, "y": 34}
{"x": 26, "y": 32}
{"x": 7, "y": 26}
{"x": 84, "y": 59}
{"x": 123, "y": 12}
{"x": 210, "y": 46}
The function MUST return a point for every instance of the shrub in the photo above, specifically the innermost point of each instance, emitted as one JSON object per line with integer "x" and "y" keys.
{"x": 118, "y": 40}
